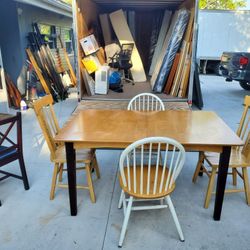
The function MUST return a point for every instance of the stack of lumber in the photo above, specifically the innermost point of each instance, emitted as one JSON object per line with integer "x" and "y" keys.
{"x": 171, "y": 73}
{"x": 177, "y": 82}
{"x": 14, "y": 96}
{"x": 44, "y": 65}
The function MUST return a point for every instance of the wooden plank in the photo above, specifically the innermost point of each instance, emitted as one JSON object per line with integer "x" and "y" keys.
{"x": 38, "y": 71}
{"x": 72, "y": 72}
{"x": 106, "y": 28}
{"x": 124, "y": 35}
{"x": 188, "y": 33}
{"x": 101, "y": 56}
{"x": 162, "y": 35}
{"x": 185, "y": 77}
{"x": 178, "y": 75}
{"x": 170, "y": 79}
{"x": 89, "y": 82}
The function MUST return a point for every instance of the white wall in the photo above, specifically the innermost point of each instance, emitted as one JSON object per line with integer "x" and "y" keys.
{"x": 221, "y": 31}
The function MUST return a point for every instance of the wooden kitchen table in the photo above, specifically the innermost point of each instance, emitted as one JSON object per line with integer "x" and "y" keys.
{"x": 195, "y": 130}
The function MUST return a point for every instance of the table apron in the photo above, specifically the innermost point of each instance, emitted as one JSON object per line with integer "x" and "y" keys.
{"x": 119, "y": 145}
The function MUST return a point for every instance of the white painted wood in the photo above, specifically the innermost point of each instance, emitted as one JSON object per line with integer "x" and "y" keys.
{"x": 162, "y": 35}
{"x": 125, "y": 222}
{"x": 174, "y": 215}
{"x": 121, "y": 199}
{"x": 106, "y": 28}
{"x": 124, "y": 35}
{"x": 176, "y": 157}
{"x": 146, "y": 102}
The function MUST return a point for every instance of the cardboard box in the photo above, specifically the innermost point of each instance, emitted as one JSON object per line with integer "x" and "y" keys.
{"x": 89, "y": 45}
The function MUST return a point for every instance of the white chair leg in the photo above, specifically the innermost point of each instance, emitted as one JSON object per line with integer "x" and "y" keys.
{"x": 120, "y": 200}
{"x": 174, "y": 215}
{"x": 125, "y": 221}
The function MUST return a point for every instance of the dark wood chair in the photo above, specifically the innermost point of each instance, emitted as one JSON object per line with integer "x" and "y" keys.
{"x": 10, "y": 149}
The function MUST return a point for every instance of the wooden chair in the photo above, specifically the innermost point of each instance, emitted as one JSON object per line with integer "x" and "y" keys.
{"x": 49, "y": 125}
{"x": 12, "y": 149}
{"x": 146, "y": 102}
{"x": 240, "y": 158}
{"x": 141, "y": 180}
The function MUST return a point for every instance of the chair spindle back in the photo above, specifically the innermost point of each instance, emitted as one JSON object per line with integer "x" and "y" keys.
{"x": 146, "y": 102}
{"x": 144, "y": 178}
{"x": 243, "y": 130}
{"x": 47, "y": 119}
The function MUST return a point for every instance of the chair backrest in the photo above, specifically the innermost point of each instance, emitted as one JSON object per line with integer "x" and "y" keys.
{"x": 9, "y": 146}
{"x": 243, "y": 130}
{"x": 141, "y": 176}
{"x": 146, "y": 102}
{"x": 48, "y": 122}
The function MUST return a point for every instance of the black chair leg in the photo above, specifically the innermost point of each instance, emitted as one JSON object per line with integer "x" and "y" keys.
{"x": 24, "y": 174}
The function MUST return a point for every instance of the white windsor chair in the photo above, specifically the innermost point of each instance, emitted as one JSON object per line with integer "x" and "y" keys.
{"x": 146, "y": 102}
{"x": 141, "y": 180}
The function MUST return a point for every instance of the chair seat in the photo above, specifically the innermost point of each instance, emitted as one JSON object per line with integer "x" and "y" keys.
{"x": 237, "y": 159}
{"x": 4, "y": 152}
{"x": 82, "y": 156}
{"x": 144, "y": 194}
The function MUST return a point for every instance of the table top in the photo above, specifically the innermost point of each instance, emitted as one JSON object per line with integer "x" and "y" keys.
{"x": 118, "y": 128}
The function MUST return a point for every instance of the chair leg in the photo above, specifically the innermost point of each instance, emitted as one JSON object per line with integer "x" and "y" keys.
{"x": 174, "y": 215}
{"x": 125, "y": 221}
{"x": 90, "y": 183}
{"x": 210, "y": 187}
{"x": 234, "y": 174}
{"x": 24, "y": 174}
{"x": 121, "y": 200}
{"x": 96, "y": 166}
{"x": 198, "y": 166}
{"x": 54, "y": 179}
{"x": 60, "y": 172}
{"x": 246, "y": 185}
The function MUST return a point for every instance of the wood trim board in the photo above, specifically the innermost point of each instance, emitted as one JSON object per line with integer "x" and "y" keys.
{"x": 171, "y": 76}
{"x": 178, "y": 75}
{"x": 124, "y": 35}
{"x": 38, "y": 71}
{"x": 185, "y": 77}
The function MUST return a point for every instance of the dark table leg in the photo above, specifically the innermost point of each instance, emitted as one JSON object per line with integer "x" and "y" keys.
{"x": 221, "y": 181}
{"x": 71, "y": 169}
{"x": 201, "y": 172}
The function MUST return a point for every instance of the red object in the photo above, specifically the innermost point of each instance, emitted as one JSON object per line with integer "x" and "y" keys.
{"x": 243, "y": 61}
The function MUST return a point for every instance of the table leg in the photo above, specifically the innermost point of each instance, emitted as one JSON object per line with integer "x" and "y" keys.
{"x": 71, "y": 169}
{"x": 221, "y": 181}
{"x": 201, "y": 172}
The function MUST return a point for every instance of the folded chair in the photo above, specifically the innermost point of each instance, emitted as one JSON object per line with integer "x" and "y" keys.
{"x": 239, "y": 159}
{"x": 146, "y": 102}
{"x": 12, "y": 149}
{"x": 86, "y": 158}
{"x": 142, "y": 180}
